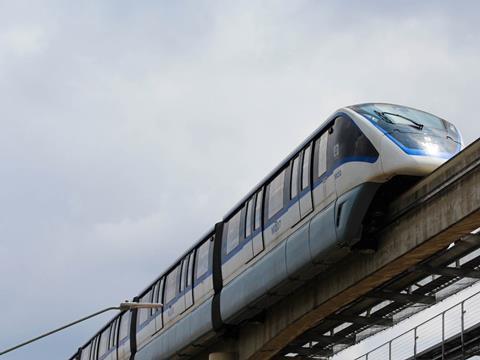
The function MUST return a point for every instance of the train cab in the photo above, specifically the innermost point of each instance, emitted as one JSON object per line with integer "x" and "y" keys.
{"x": 425, "y": 140}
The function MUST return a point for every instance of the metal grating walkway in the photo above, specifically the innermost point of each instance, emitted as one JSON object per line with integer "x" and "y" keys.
{"x": 452, "y": 334}
{"x": 433, "y": 280}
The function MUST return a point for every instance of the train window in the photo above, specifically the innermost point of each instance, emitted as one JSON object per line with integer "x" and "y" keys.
{"x": 110, "y": 333}
{"x": 294, "y": 178}
{"x": 202, "y": 259}
{"x": 275, "y": 194}
{"x": 183, "y": 280}
{"x": 172, "y": 284}
{"x": 157, "y": 294}
{"x": 103, "y": 346}
{"x": 258, "y": 210}
{"x": 113, "y": 334}
{"x": 350, "y": 142}
{"x": 143, "y": 314}
{"x": 85, "y": 352}
{"x": 233, "y": 232}
{"x": 248, "y": 218}
{"x": 124, "y": 325}
{"x": 306, "y": 167}
{"x": 190, "y": 270}
{"x": 94, "y": 349}
{"x": 154, "y": 296}
{"x": 321, "y": 154}
{"x": 96, "y": 346}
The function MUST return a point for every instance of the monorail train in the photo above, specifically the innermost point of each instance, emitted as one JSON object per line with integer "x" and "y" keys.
{"x": 321, "y": 202}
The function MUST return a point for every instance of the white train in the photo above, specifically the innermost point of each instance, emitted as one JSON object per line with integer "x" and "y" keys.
{"x": 325, "y": 199}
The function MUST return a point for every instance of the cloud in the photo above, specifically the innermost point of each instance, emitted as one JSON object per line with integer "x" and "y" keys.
{"x": 23, "y": 41}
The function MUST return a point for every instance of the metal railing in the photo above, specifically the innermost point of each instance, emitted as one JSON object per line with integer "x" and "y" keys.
{"x": 454, "y": 331}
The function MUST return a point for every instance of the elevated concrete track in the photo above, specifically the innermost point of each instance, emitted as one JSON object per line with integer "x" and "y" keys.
{"x": 364, "y": 293}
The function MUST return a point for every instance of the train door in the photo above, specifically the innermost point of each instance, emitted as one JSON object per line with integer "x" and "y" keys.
{"x": 253, "y": 225}
{"x": 123, "y": 347}
{"x": 276, "y": 216}
{"x": 324, "y": 184}
{"x": 203, "y": 270}
{"x": 112, "y": 340}
{"x": 323, "y": 237}
{"x": 338, "y": 146}
{"x": 158, "y": 296}
{"x": 186, "y": 281}
{"x": 145, "y": 325}
{"x": 103, "y": 344}
{"x": 85, "y": 355}
{"x": 257, "y": 236}
{"x": 330, "y": 188}
{"x": 305, "y": 183}
{"x": 248, "y": 228}
{"x": 173, "y": 304}
{"x": 232, "y": 245}
{"x": 242, "y": 237}
{"x": 94, "y": 349}
{"x": 293, "y": 191}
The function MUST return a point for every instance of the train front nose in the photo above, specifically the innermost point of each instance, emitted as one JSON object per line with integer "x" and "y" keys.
{"x": 398, "y": 161}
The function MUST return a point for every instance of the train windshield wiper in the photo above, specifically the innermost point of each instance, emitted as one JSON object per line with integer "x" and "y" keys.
{"x": 384, "y": 114}
{"x": 455, "y": 141}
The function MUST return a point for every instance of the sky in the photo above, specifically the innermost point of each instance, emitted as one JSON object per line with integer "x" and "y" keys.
{"x": 127, "y": 129}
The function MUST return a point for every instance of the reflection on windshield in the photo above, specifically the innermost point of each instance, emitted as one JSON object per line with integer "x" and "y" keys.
{"x": 415, "y": 131}
{"x": 399, "y": 114}
{"x": 387, "y": 115}
{"x": 420, "y": 144}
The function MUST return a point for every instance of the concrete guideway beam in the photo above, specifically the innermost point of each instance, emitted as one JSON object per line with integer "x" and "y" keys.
{"x": 222, "y": 356}
{"x": 442, "y": 208}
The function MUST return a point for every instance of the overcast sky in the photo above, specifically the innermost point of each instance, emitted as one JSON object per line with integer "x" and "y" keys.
{"x": 128, "y": 128}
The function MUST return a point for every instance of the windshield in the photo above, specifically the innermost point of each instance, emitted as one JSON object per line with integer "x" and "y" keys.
{"x": 415, "y": 131}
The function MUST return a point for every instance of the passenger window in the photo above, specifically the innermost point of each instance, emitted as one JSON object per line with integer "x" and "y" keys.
{"x": 157, "y": 295}
{"x": 95, "y": 347}
{"x": 233, "y": 232}
{"x": 124, "y": 325}
{"x": 85, "y": 352}
{"x": 258, "y": 210}
{"x": 190, "y": 270}
{"x": 294, "y": 178}
{"x": 202, "y": 259}
{"x": 275, "y": 194}
{"x": 306, "y": 167}
{"x": 321, "y": 154}
{"x": 183, "y": 280}
{"x": 102, "y": 349}
{"x": 110, "y": 334}
{"x": 143, "y": 314}
{"x": 248, "y": 218}
{"x": 113, "y": 334}
{"x": 172, "y": 285}
{"x": 350, "y": 142}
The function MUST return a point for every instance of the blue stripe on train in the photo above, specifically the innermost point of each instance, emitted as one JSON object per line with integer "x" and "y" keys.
{"x": 338, "y": 163}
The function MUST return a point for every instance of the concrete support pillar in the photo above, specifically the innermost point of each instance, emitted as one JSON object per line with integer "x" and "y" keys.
{"x": 222, "y": 356}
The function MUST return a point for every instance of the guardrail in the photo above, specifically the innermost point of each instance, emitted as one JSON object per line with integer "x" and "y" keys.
{"x": 454, "y": 331}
